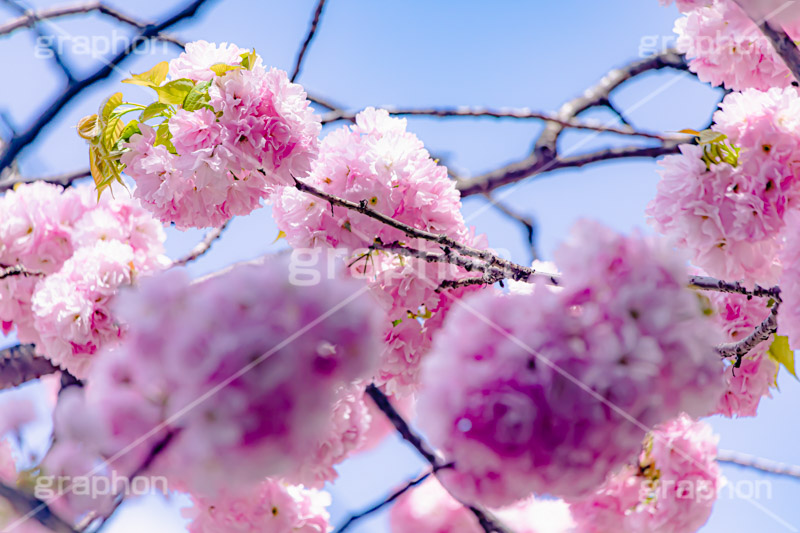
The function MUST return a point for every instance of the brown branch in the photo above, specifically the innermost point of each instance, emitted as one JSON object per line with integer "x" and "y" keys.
{"x": 526, "y": 222}
{"x": 65, "y": 180}
{"x": 20, "y": 364}
{"x": 536, "y": 164}
{"x": 521, "y": 114}
{"x": 488, "y": 522}
{"x": 31, "y": 507}
{"x": 30, "y": 18}
{"x": 203, "y": 246}
{"x": 707, "y": 283}
{"x": 9, "y": 271}
{"x": 355, "y": 517}
{"x": 758, "y": 463}
{"x": 761, "y": 333}
{"x": 20, "y": 141}
{"x": 312, "y": 32}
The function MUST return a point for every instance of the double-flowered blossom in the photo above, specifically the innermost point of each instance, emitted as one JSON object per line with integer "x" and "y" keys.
{"x": 78, "y": 252}
{"x": 752, "y": 380}
{"x": 725, "y": 47}
{"x": 730, "y": 216}
{"x": 672, "y": 489}
{"x": 378, "y": 162}
{"x": 244, "y": 369}
{"x": 790, "y": 283}
{"x": 428, "y": 508}
{"x": 256, "y": 131}
{"x": 556, "y": 389}
{"x": 685, "y": 6}
{"x": 272, "y": 506}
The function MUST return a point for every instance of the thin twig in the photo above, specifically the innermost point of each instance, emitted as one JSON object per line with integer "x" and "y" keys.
{"x": 65, "y": 180}
{"x": 29, "y": 18}
{"x": 488, "y": 522}
{"x": 26, "y": 504}
{"x": 203, "y": 246}
{"x": 761, "y": 333}
{"x": 17, "y": 270}
{"x": 758, "y": 463}
{"x": 312, "y": 31}
{"x": 526, "y": 222}
{"x": 707, "y": 283}
{"x": 355, "y": 517}
{"x": 522, "y": 114}
{"x": 22, "y": 140}
{"x": 20, "y": 364}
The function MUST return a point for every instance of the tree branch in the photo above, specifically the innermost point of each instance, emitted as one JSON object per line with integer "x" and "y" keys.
{"x": 353, "y": 518}
{"x": 30, "y": 507}
{"x": 20, "y": 364}
{"x": 65, "y": 180}
{"x": 526, "y": 222}
{"x": 521, "y": 114}
{"x": 30, "y": 18}
{"x": 312, "y": 31}
{"x": 203, "y": 246}
{"x": 758, "y": 463}
{"x": 760, "y": 334}
{"x": 488, "y": 522}
{"x": 19, "y": 141}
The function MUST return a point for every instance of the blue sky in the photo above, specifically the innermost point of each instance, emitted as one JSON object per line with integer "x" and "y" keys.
{"x": 515, "y": 53}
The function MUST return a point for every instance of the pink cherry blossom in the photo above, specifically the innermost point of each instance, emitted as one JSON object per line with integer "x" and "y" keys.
{"x": 273, "y": 506}
{"x": 555, "y": 388}
{"x": 790, "y": 283}
{"x": 259, "y": 135}
{"x": 243, "y": 367}
{"x": 671, "y": 490}
{"x": 725, "y": 47}
{"x": 428, "y": 508}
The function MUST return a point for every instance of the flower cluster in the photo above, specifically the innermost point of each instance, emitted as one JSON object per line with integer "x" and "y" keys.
{"x": 243, "y": 369}
{"x": 78, "y": 252}
{"x": 271, "y": 506}
{"x": 379, "y": 163}
{"x": 230, "y": 131}
{"x": 746, "y": 385}
{"x": 555, "y": 388}
{"x": 726, "y": 47}
{"x": 428, "y": 508}
{"x": 671, "y": 490}
{"x": 730, "y": 214}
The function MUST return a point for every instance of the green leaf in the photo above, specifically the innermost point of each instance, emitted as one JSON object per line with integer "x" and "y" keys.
{"x": 396, "y": 322}
{"x": 197, "y": 97}
{"x": 152, "y": 78}
{"x": 113, "y": 129}
{"x": 153, "y": 110}
{"x": 164, "y": 137}
{"x": 220, "y": 69}
{"x": 113, "y": 102}
{"x": 780, "y": 352}
{"x": 130, "y": 129}
{"x": 711, "y": 137}
{"x": 175, "y": 91}
{"x": 249, "y": 59}
{"x": 281, "y": 235}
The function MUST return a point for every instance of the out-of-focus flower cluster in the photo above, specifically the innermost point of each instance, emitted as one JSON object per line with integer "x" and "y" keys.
{"x": 557, "y": 389}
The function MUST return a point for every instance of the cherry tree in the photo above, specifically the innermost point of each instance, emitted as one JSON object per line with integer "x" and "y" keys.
{"x": 555, "y": 396}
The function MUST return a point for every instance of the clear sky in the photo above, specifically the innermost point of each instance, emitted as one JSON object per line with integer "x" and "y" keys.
{"x": 515, "y": 53}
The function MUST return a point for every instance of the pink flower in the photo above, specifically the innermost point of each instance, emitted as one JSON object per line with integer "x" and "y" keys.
{"x": 671, "y": 490}
{"x": 245, "y": 368}
{"x": 259, "y": 134}
{"x": 725, "y": 47}
{"x": 738, "y": 316}
{"x": 790, "y": 283}
{"x": 428, "y": 508}
{"x": 273, "y": 506}
{"x": 554, "y": 388}
{"x": 199, "y": 56}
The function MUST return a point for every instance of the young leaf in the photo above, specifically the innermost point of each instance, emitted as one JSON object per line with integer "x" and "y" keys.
{"x": 197, "y": 97}
{"x": 88, "y": 128}
{"x": 220, "y": 69}
{"x": 113, "y": 102}
{"x": 130, "y": 129}
{"x": 780, "y": 352}
{"x": 152, "y": 78}
{"x": 174, "y": 92}
{"x": 153, "y": 110}
{"x": 113, "y": 129}
{"x": 164, "y": 137}
{"x": 249, "y": 59}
